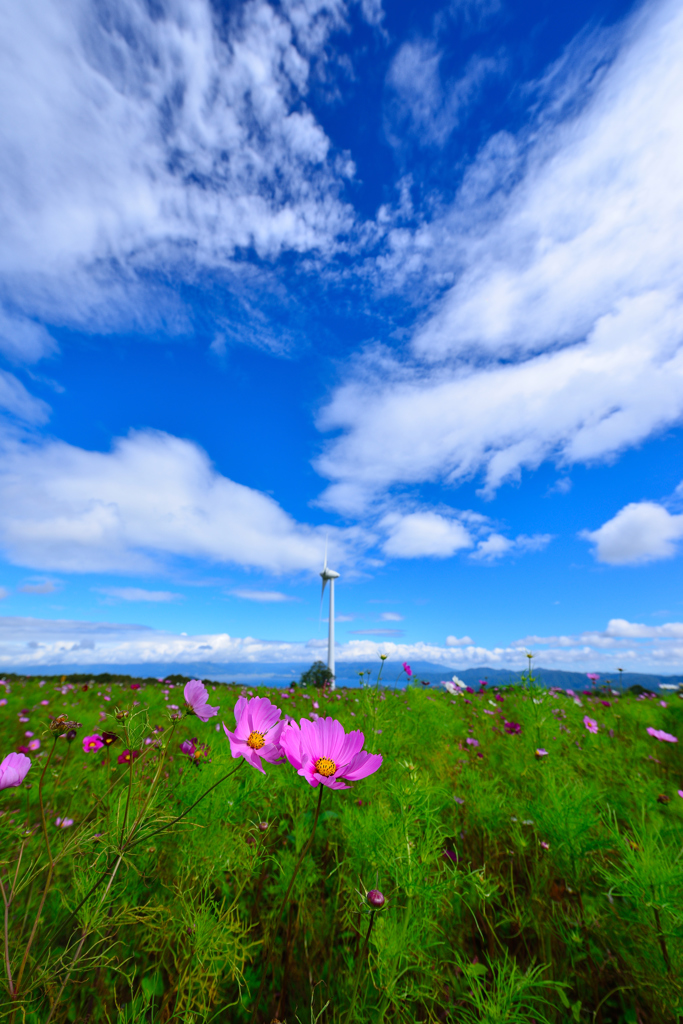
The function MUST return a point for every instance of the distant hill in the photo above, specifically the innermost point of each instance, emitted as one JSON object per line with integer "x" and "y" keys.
{"x": 348, "y": 673}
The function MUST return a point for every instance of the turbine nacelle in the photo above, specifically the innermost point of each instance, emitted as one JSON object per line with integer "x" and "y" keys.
{"x": 329, "y": 574}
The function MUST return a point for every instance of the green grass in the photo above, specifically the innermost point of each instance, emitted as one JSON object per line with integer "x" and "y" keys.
{"x": 145, "y": 920}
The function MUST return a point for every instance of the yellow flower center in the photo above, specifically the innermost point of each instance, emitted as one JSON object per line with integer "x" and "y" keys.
{"x": 255, "y": 740}
{"x": 325, "y": 767}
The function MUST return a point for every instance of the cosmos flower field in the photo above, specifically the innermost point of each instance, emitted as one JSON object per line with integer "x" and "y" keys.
{"x": 189, "y": 851}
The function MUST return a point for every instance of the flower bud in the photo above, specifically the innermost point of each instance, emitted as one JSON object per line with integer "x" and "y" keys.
{"x": 375, "y": 899}
{"x": 263, "y": 825}
{"x": 70, "y": 736}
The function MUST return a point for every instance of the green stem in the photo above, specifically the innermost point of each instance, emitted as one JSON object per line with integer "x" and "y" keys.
{"x": 359, "y": 969}
{"x": 307, "y": 845}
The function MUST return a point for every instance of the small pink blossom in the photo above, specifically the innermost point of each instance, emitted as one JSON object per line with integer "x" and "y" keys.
{"x": 472, "y": 742}
{"x": 680, "y": 792}
{"x": 13, "y": 770}
{"x": 34, "y": 744}
{"x": 91, "y": 743}
{"x": 197, "y": 700}
{"x": 64, "y": 822}
{"x": 540, "y": 752}
{"x": 545, "y": 846}
{"x": 593, "y": 676}
{"x": 407, "y": 669}
{"x": 3, "y": 701}
{"x": 44, "y": 702}
{"x": 662, "y": 703}
{"x": 590, "y": 723}
{"x": 258, "y": 729}
{"x": 324, "y": 754}
{"x": 659, "y": 734}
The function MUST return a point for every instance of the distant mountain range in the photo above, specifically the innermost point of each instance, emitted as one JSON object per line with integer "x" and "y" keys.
{"x": 348, "y": 674}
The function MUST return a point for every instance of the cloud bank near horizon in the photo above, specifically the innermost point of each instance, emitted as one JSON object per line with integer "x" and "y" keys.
{"x": 31, "y": 643}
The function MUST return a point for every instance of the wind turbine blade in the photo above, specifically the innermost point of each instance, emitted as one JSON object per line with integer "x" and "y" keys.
{"x": 327, "y": 537}
{"x": 322, "y": 597}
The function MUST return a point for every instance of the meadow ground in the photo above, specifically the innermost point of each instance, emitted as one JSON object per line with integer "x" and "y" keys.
{"x": 529, "y": 846}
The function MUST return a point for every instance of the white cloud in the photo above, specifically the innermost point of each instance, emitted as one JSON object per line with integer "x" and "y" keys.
{"x": 496, "y": 545}
{"x": 26, "y": 642}
{"x": 454, "y": 641}
{"x": 263, "y": 596}
{"x": 23, "y": 340}
{"x": 419, "y": 103}
{"x": 423, "y": 534}
{"x": 4, "y": 592}
{"x": 135, "y": 137}
{"x": 391, "y": 617}
{"x": 640, "y": 532}
{"x": 151, "y": 499}
{"x": 138, "y": 594}
{"x": 16, "y": 400}
{"x": 561, "y": 336}
{"x": 39, "y": 587}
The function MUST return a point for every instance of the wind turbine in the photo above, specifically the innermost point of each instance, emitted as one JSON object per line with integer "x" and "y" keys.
{"x": 329, "y": 576}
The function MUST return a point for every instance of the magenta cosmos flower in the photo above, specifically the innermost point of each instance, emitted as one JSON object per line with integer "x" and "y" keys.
{"x": 257, "y": 732}
{"x": 197, "y": 700}
{"x": 407, "y": 669}
{"x": 13, "y": 770}
{"x": 659, "y": 734}
{"x": 590, "y": 723}
{"x": 91, "y": 743}
{"x": 323, "y": 753}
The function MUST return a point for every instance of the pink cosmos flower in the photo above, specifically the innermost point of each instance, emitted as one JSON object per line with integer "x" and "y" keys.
{"x": 13, "y": 770}
{"x": 197, "y": 700}
{"x": 545, "y": 845}
{"x": 323, "y": 753}
{"x": 407, "y": 669}
{"x": 91, "y": 743}
{"x": 593, "y": 676}
{"x": 680, "y": 792}
{"x": 3, "y": 701}
{"x": 472, "y": 742}
{"x": 257, "y": 732}
{"x": 659, "y": 734}
{"x": 64, "y": 822}
{"x": 590, "y": 723}
{"x": 189, "y": 747}
{"x": 512, "y": 727}
{"x": 34, "y": 744}
{"x": 540, "y": 752}
{"x": 127, "y": 756}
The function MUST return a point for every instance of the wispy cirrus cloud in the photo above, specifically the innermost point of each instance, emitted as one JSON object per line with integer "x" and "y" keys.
{"x": 135, "y": 140}
{"x": 561, "y": 334}
{"x": 139, "y": 595}
{"x": 262, "y": 596}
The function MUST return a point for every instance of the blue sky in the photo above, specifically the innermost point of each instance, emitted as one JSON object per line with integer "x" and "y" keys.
{"x": 406, "y": 277}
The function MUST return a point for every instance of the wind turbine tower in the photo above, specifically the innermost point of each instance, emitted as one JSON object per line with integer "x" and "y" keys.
{"x": 329, "y": 576}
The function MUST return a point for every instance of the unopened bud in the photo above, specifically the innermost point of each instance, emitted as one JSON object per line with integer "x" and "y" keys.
{"x": 375, "y": 899}
{"x": 263, "y": 825}
{"x": 70, "y": 736}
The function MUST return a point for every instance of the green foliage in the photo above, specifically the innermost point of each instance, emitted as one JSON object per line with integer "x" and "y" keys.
{"x": 317, "y": 675}
{"x": 520, "y": 888}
